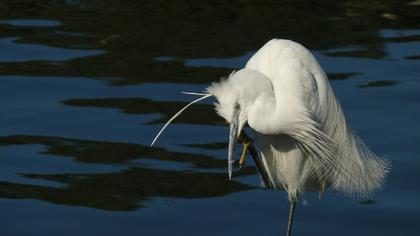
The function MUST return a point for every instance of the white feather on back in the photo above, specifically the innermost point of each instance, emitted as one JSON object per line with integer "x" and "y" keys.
{"x": 354, "y": 169}
{"x": 300, "y": 128}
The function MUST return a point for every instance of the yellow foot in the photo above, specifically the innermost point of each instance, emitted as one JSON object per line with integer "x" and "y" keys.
{"x": 243, "y": 155}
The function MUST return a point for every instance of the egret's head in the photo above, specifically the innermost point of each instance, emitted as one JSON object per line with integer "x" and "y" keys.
{"x": 235, "y": 95}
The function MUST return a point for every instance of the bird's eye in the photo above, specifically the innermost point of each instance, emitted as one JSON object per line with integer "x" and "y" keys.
{"x": 237, "y": 106}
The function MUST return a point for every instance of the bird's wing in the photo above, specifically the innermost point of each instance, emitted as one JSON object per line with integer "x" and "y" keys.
{"x": 318, "y": 122}
{"x": 288, "y": 65}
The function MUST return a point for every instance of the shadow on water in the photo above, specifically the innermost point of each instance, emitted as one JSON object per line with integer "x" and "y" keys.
{"x": 124, "y": 190}
{"x": 107, "y": 152}
{"x": 198, "y": 114}
{"x": 415, "y": 57}
{"x": 181, "y": 29}
{"x": 210, "y": 146}
{"x": 375, "y": 54}
{"x": 342, "y": 76}
{"x": 168, "y": 45}
{"x": 379, "y": 83}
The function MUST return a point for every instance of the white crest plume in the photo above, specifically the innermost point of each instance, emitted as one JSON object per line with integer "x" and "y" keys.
{"x": 194, "y": 93}
{"x": 203, "y": 96}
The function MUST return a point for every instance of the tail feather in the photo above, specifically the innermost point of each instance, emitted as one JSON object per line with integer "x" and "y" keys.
{"x": 365, "y": 171}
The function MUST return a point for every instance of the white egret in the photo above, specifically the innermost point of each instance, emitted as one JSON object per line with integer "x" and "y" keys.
{"x": 303, "y": 140}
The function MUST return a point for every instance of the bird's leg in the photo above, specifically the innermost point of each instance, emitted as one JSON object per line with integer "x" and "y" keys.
{"x": 291, "y": 214}
{"x": 245, "y": 144}
{"x": 258, "y": 162}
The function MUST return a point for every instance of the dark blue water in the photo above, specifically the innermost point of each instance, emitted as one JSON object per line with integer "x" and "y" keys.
{"x": 85, "y": 86}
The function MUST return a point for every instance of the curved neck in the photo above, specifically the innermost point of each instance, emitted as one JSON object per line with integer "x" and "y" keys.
{"x": 262, "y": 111}
{"x": 273, "y": 112}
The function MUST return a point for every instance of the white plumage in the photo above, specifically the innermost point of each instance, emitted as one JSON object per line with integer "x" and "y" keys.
{"x": 300, "y": 130}
{"x": 303, "y": 139}
{"x": 302, "y": 135}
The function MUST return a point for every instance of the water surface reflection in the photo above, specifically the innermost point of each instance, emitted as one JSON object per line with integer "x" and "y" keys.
{"x": 85, "y": 86}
